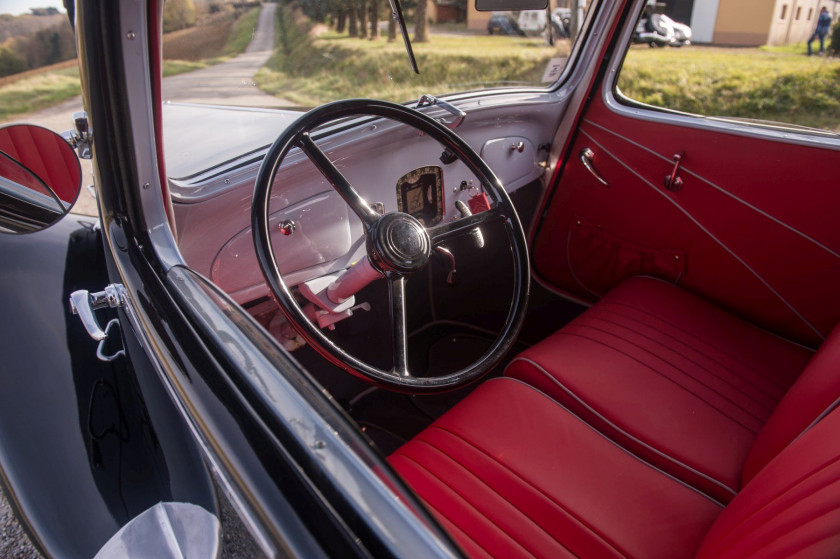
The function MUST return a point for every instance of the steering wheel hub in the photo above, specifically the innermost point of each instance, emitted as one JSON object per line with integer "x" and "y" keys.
{"x": 399, "y": 243}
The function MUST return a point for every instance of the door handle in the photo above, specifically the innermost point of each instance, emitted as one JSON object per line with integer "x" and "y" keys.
{"x": 586, "y": 157}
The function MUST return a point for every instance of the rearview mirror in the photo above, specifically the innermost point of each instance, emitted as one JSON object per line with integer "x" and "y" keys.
{"x": 509, "y": 5}
{"x": 40, "y": 178}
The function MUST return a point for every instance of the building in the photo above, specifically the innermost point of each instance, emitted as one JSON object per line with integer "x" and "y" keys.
{"x": 750, "y": 22}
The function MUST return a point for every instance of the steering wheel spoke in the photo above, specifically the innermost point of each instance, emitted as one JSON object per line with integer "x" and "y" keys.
{"x": 341, "y": 185}
{"x": 439, "y": 234}
{"x": 396, "y": 293}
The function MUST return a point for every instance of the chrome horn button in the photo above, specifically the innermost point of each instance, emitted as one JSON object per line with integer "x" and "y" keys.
{"x": 399, "y": 243}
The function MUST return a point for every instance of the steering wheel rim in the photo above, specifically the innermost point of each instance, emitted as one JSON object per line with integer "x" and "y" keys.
{"x": 502, "y": 210}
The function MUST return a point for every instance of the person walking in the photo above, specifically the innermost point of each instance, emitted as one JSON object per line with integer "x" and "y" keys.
{"x": 823, "y": 24}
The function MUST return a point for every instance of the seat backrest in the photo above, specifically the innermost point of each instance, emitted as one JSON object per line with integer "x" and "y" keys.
{"x": 791, "y": 508}
{"x": 815, "y": 393}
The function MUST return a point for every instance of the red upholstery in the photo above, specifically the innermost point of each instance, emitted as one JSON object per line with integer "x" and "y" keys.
{"x": 677, "y": 381}
{"x": 813, "y": 395}
{"x": 512, "y": 474}
{"x": 791, "y": 508}
{"x": 47, "y": 155}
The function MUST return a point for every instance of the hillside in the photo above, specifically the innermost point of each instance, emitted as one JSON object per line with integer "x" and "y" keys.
{"x": 13, "y": 26}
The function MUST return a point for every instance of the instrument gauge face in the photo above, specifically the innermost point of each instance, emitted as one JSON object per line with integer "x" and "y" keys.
{"x": 420, "y": 194}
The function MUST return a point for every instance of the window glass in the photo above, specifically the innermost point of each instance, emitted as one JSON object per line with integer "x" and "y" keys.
{"x": 733, "y": 59}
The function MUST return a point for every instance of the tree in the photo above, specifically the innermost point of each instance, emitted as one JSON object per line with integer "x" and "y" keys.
{"x": 352, "y": 26}
{"x": 10, "y": 63}
{"x": 361, "y": 10}
{"x": 421, "y": 28}
{"x": 374, "y": 18}
{"x": 178, "y": 14}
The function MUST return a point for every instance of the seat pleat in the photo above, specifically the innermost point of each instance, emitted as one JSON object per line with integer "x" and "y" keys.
{"x": 686, "y": 375}
{"x": 732, "y": 372}
{"x": 569, "y": 482}
{"x": 760, "y": 377}
{"x": 791, "y": 505}
{"x": 681, "y": 383}
{"x": 498, "y": 493}
{"x": 478, "y": 521}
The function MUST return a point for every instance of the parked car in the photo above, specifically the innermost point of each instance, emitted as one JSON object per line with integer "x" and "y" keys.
{"x": 533, "y": 22}
{"x": 530, "y": 317}
{"x": 503, "y": 24}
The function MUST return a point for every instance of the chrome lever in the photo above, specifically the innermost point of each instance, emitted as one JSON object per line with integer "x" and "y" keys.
{"x": 428, "y": 100}
{"x": 586, "y": 157}
{"x": 83, "y": 303}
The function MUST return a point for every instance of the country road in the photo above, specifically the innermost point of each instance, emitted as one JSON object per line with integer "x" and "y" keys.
{"x": 229, "y": 83}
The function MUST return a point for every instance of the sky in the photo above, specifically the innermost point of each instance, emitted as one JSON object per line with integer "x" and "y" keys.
{"x": 16, "y": 7}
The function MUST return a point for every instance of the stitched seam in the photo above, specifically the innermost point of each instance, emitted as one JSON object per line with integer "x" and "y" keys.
{"x": 779, "y": 495}
{"x": 777, "y": 535}
{"x": 699, "y": 351}
{"x": 492, "y": 489}
{"x": 532, "y": 486}
{"x": 636, "y": 440}
{"x": 440, "y": 480}
{"x": 767, "y": 408}
{"x": 708, "y": 343}
{"x": 668, "y": 198}
{"x": 454, "y": 524}
{"x": 666, "y": 377}
{"x": 722, "y": 190}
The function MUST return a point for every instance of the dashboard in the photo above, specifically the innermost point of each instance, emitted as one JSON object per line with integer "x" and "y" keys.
{"x": 394, "y": 167}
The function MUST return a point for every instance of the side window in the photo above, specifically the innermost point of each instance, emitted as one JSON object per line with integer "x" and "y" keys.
{"x": 761, "y": 61}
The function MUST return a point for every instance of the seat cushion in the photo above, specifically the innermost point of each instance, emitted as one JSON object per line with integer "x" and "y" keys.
{"x": 677, "y": 381}
{"x": 791, "y": 508}
{"x": 511, "y": 473}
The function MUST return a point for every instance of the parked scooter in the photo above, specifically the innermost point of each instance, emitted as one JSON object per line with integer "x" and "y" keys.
{"x": 658, "y": 30}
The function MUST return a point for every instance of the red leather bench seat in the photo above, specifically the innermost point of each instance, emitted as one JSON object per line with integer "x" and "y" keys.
{"x": 511, "y": 473}
{"x": 679, "y": 382}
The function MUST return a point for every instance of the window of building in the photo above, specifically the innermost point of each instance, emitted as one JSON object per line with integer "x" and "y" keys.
{"x": 798, "y": 12}
{"x": 810, "y": 13}
{"x": 784, "y": 11}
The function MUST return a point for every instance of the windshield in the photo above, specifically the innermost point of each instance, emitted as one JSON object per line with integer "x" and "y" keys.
{"x": 326, "y": 55}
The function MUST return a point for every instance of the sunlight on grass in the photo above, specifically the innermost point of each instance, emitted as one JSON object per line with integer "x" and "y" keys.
{"x": 38, "y": 92}
{"x": 773, "y": 83}
{"x": 335, "y": 66}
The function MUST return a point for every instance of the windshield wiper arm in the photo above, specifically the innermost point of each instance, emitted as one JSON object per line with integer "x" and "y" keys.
{"x": 397, "y": 13}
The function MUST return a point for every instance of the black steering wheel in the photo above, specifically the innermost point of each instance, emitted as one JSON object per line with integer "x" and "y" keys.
{"x": 397, "y": 244}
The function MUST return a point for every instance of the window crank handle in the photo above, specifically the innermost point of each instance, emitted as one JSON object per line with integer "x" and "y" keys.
{"x": 586, "y": 157}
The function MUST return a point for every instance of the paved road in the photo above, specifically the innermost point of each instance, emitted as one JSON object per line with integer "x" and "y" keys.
{"x": 229, "y": 83}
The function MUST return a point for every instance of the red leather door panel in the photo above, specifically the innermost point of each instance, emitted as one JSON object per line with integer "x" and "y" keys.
{"x": 754, "y": 227}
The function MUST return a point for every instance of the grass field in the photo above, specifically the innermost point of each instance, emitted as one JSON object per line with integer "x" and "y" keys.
{"x": 38, "y": 92}
{"x": 310, "y": 71}
{"x": 770, "y": 83}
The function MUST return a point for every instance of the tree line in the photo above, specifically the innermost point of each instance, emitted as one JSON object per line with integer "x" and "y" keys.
{"x": 42, "y": 48}
{"x": 361, "y": 18}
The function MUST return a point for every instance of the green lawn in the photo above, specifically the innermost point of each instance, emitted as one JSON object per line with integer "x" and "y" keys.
{"x": 38, "y": 92}
{"x": 777, "y": 84}
{"x": 311, "y": 71}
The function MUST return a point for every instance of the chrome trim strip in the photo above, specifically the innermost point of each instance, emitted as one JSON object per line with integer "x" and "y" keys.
{"x": 699, "y": 122}
{"x": 720, "y": 189}
{"x": 711, "y": 235}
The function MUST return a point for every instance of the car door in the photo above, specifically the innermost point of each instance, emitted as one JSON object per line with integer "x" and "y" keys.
{"x": 740, "y": 211}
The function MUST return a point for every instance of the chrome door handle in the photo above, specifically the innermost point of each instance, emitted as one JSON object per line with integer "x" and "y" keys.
{"x": 586, "y": 157}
